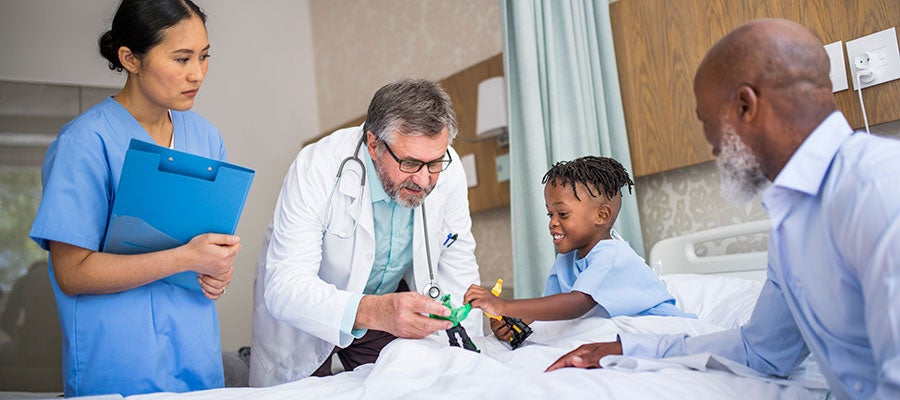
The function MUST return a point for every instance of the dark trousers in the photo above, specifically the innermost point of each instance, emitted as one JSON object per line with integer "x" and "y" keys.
{"x": 361, "y": 351}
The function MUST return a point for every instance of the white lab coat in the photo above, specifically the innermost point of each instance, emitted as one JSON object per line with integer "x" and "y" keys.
{"x": 304, "y": 277}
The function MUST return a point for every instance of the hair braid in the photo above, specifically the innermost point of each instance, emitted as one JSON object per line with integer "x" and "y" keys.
{"x": 601, "y": 173}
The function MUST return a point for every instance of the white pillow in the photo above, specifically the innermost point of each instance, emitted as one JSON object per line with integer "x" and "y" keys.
{"x": 719, "y": 300}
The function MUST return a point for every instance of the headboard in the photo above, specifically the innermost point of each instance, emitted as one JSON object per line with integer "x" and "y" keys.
{"x": 678, "y": 255}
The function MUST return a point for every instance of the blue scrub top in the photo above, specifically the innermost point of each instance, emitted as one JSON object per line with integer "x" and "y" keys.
{"x": 157, "y": 337}
{"x": 616, "y": 278}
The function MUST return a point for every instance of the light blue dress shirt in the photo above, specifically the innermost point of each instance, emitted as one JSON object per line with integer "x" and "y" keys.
{"x": 833, "y": 286}
{"x": 616, "y": 278}
{"x": 393, "y": 246}
{"x": 393, "y": 237}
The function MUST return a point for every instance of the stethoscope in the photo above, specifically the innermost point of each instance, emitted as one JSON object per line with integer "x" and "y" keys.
{"x": 431, "y": 289}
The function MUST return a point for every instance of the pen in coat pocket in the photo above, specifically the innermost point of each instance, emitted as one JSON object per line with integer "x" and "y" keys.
{"x": 451, "y": 238}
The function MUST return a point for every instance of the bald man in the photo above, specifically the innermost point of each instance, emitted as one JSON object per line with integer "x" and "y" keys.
{"x": 833, "y": 286}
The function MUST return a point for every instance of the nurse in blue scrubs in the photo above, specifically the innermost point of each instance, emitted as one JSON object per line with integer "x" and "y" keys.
{"x": 125, "y": 331}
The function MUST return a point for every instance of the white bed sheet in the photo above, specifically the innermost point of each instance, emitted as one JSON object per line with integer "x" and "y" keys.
{"x": 429, "y": 368}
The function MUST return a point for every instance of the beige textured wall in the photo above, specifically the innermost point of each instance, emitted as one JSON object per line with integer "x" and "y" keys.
{"x": 686, "y": 200}
{"x": 362, "y": 45}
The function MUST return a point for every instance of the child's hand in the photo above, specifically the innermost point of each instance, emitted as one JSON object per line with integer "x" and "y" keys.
{"x": 485, "y": 300}
{"x": 501, "y": 330}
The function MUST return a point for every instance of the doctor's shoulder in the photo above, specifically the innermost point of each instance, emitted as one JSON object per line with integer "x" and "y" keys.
{"x": 327, "y": 152}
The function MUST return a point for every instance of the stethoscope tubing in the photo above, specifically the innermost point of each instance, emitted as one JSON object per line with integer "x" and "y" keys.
{"x": 432, "y": 290}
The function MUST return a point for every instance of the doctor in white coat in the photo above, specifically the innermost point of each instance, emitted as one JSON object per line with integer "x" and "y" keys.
{"x": 349, "y": 236}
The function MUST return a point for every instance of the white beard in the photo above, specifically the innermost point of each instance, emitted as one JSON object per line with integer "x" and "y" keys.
{"x": 740, "y": 176}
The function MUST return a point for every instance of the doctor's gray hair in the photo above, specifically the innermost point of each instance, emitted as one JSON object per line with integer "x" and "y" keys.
{"x": 412, "y": 107}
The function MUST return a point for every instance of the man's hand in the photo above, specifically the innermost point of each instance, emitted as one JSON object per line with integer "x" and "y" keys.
{"x": 587, "y": 355}
{"x": 404, "y": 315}
{"x": 485, "y": 300}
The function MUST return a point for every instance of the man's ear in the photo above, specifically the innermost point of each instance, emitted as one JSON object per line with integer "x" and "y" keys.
{"x": 129, "y": 60}
{"x": 747, "y": 103}
{"x": 371, "y": 143}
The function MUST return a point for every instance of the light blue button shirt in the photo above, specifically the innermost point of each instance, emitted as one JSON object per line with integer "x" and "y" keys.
{"x": 393, "y": 238}
{"x": 833, "y": 285}
{"x": 393, "y": 246}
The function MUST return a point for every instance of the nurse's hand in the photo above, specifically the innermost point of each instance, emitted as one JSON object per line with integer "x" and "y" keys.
{"x": 587, "y": 355}
{"x": 212, "y": 254}
{"x": 214, "y": 286}
{"x": 212, "y": 257}
{"x": 404, "y": 315}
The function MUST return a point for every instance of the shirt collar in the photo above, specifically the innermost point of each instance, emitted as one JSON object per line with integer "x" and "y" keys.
{"x": 806, "y": 169}
{"x": 377, "y": 190}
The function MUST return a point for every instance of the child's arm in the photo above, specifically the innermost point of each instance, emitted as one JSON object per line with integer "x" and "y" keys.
{"x": 551, "y": 308}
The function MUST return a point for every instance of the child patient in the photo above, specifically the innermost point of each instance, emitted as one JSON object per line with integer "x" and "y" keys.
{"x": 593, "y": 272}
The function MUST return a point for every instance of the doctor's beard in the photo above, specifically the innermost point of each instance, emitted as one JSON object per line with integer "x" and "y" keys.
{"x": 740, "y": 176}
{"x": 393, "y": 189}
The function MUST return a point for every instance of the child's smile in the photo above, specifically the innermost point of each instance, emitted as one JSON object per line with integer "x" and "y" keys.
{"x": 574, "y": 222}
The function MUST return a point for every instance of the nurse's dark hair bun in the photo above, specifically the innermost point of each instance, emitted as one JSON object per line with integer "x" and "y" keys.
{"x": 139, "y": 25}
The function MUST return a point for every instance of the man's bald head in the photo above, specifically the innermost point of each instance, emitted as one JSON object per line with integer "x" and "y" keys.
{"x": 773, "y": 56}
{"x": 767, "y": 82}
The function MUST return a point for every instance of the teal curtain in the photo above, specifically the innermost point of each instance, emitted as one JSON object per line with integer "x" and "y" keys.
{"x": 564, "y": 103}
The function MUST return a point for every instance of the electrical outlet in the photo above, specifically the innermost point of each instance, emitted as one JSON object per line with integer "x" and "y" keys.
{"x": 876, "y": 57}
{"x": 838, "y": 72}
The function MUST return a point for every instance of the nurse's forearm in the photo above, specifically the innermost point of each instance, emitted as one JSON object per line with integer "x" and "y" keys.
{"x": 83, "y": 271}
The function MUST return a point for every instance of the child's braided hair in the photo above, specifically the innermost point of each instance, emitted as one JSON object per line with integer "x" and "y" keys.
{"x": 599, "y": 172}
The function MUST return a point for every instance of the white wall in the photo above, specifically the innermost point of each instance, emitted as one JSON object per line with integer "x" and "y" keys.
{"x": 49, "y": 41}
{"x": 260, "y": 92}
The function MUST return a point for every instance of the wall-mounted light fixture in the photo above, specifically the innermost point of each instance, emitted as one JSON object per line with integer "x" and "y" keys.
{"x": 492, "y": 118}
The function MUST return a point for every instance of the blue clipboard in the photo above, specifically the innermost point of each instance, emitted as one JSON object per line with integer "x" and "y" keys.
{"x": 166, "y": 197}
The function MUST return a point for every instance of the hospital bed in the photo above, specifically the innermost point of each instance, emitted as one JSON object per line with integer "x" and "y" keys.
{"x": 430, "y": 369}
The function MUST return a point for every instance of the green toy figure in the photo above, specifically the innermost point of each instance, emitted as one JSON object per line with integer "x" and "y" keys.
{"x": 456, "y": 316}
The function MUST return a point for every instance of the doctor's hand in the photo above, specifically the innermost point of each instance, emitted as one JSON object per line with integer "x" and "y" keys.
{"x": 587, "y": 355}
{"x": 485, "y": 300}
{"x": 404, "y": 315}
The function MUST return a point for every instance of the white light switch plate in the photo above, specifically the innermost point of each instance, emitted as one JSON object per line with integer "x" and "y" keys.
{"x": 503, "y": 167}
{"x": 468, "y": 163}
{"x": 880, "y": 48}
{"x": 838, "y": 71}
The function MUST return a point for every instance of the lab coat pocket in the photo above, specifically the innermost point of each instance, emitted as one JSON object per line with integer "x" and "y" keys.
{"x": 343, "y": 217}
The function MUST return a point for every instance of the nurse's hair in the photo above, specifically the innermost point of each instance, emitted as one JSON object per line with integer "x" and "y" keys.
{"x": 139, "y": 25}
{"x": 412, "y": 107}
{"x": 600, "y": 173}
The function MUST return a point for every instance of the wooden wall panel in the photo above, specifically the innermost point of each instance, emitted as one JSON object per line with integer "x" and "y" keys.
{"x": 660, "y": 43}
{"x": 463, "y": 90}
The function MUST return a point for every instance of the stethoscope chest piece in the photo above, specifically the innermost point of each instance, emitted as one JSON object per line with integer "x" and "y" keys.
{"x": 432, "y": 290}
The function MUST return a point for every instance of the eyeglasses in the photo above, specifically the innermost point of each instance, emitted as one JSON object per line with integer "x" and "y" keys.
{"x": 411, "y": 166}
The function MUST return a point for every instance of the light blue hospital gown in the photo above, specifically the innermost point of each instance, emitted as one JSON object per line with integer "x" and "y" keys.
{"x": 616, "y": 278}
{"x": 156, "y": 337}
